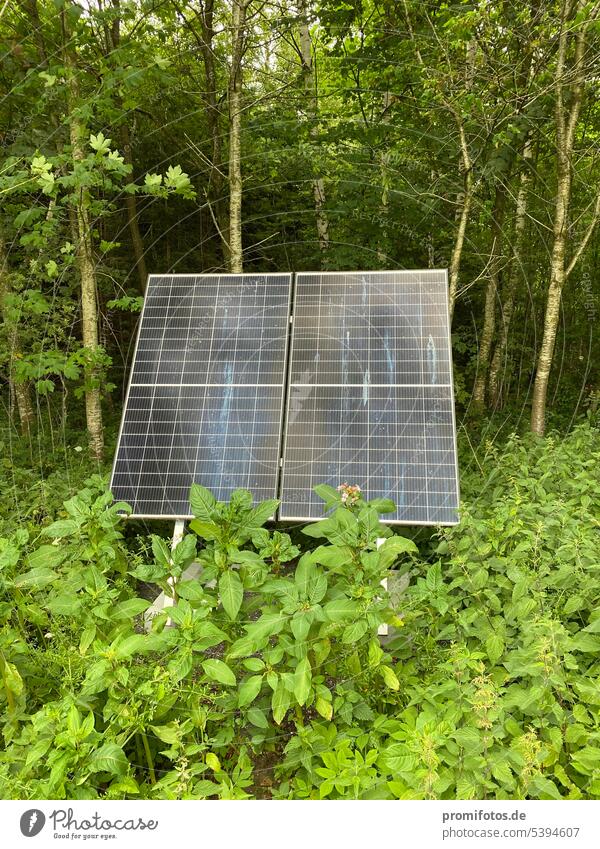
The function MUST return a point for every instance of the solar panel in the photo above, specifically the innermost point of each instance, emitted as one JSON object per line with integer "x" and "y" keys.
{"x": 370, "y": 398}
{"x": 206, "y": 391}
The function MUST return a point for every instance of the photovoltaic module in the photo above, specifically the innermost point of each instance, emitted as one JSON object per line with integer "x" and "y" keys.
{"x": 206, "y": 392}
{"x": 368, "y": 397}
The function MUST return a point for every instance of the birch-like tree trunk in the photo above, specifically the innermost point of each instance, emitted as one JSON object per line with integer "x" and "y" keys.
{"x": 113, "y": 39}
{"x": 459, "y": 240}
{"x": 491, "y": 293}
{"x": 131, "y": 207}
{"x": 312, "y": 109}
{"x": 84, "y": 255}
{"x": 238, "y": 38}
{"x": 495, "y": 383}
{"x": 204, "y": 35}
{"x": 20, "y": 390}
{"x": 569, "y": 87}
{"x": 465, "y": 198}
{"x": 213, "y": 118}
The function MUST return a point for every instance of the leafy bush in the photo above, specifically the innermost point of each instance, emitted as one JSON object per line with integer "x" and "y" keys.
{"x": 266, "y": 678}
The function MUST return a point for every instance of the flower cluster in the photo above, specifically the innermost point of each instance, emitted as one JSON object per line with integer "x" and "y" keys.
{"x": 350, "y": 494}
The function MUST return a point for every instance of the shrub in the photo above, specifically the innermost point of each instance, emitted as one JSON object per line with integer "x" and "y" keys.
{"x": 273, "y": 683}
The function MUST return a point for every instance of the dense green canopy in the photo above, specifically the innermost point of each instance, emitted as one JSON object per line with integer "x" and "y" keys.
{"x": 156, "y": 135}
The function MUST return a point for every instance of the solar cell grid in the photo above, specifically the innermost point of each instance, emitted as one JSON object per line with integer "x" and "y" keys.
{"x": 206, "y": 393}
{"x": 369, "y": 394}
{"x": 370, "y": 398}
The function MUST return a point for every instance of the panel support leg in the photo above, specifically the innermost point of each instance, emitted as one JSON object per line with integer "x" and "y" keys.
{"x": 178, "y": 532}
{"x": 382, "y": 631}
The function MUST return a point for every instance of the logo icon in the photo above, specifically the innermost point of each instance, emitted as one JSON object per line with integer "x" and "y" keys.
{"x": 32, "y": 822}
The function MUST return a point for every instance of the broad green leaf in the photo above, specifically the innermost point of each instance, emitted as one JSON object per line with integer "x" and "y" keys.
{"x": 36, "y": 579}
{"x": 576, "y": 602}
{"x": 398, "y": 758}
{"x": 324, "y": 708}
{"x": 332, "y": 556}
{"x": 341, "y": 609}
{"x": 161, "y": 551}
{"x": 135, "y": 644}
{"x": 205, "y": 530}
{"x": 280, "y": 703}
{"x": 87, "y": 637}
{"x": 302, "y": 680}
{"x": 389, "y": 676}
{"x": 586, "y": 642}
{"x": 545, "y": 788}
{"x": 60, "y": 529}
{"x": 433, "y": 581}
{"x": 213, "y": 762}
{"x": 205, "y": 788}
{"x": 383, "y": 505}
{"x": 249, "y": 690}
{"x": 108, "y": 758}
{"x": 202, "y": 502}
{"x": 392, "y": 548}
{"x": 47, "y": 557}
{"x": 231, "y": 592}
{"x": 305, "y": 572}
{"x": 262, "y": 513}
{"x": 586, "y": 760}
{"x": 300, "y": 624}
{"x": 66, "y": 604}
{"x": 9, "y": 554}
{"x": 502, "y": 774}
{"x": 130, "y": 607}
{"x": 494, "y": 646}
{"x": 170, "y": 734}
{"x": 317, "y": 588}
{"x": 257, "y": 718}
{"x": 217, "y": 670}
{"x": 354, "y": 632}
{"x": 317, "y": 529}
{"x": 326, "y": 492}
{"x": 266, "y": 626}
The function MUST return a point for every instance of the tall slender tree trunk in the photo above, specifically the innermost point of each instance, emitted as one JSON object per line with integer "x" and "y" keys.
{"x": 466, "y": 164}
{"x": 495, "y": 384}
{"x": 204, "y": 37}
{"x": 131, "y": 207}
{"x": 238, "y": 27}
{"x": 489, "y": 312}
{"x": 569, "y": 85}
{"x": 113, "y": 40}
{"x": 459, "y": 241}
{"x": 213, "y": 118}
{"x": 465, "y": 198}
{"x": 312, "y": 104}
{"x": 85, "y": 259}
{"x": 19, "y": 390}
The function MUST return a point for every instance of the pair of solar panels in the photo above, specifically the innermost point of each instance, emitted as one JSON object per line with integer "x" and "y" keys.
{"x": 278, "y": 382}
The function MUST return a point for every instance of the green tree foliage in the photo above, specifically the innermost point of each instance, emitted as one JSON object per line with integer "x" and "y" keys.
{"x": 368, "y": 135}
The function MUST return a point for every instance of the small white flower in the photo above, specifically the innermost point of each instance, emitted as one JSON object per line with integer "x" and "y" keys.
{"x": 49, "y": 635}
{"x": 78, "y": 448}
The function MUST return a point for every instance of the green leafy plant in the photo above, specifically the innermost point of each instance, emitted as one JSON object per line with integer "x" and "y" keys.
{"x": 265, "y": 677}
